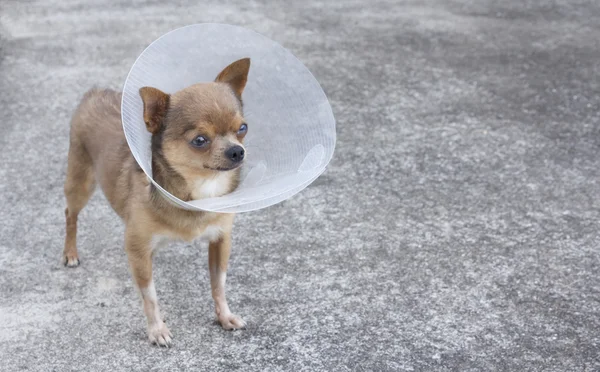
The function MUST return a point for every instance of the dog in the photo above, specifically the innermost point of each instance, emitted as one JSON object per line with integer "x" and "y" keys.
{"x": 197, "y": 150}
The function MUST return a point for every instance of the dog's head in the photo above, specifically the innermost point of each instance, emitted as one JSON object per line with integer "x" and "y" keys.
{"x": 201, "y": 128}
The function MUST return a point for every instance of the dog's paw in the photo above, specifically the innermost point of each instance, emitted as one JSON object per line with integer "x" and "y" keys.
{"x": 71, "y": 260}
{"x": 159, "y": 334}
{"x": 231, "y": 321}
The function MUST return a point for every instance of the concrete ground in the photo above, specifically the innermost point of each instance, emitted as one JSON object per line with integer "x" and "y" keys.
{"x": 456, "y": 228}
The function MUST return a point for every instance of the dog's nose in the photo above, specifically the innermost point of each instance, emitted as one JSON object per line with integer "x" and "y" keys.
{"x": 235, "y": 153}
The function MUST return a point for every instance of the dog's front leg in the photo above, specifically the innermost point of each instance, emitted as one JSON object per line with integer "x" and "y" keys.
{"x": 218, "y": 256}
{"x": 139, "y": 253}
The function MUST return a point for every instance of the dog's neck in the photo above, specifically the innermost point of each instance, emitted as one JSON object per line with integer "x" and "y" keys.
{"x": 167, "y": 177}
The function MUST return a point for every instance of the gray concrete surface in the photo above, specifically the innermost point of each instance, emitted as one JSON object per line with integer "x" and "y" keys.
{"x": 456, "y": 229}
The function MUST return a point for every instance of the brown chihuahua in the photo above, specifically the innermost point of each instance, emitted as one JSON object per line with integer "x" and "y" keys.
{"x": 197, "y": 150}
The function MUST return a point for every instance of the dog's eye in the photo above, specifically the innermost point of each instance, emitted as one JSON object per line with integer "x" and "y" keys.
{"x": 243, "y": 129}
{"x": 200, "y": 141}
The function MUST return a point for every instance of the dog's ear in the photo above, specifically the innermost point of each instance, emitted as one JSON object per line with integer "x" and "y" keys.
{"x": 236, "y": 75}
{"x": 156, "y": 104}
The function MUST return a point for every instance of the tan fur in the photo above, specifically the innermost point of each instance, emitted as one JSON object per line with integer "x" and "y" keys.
{"x": 98, "y": 153}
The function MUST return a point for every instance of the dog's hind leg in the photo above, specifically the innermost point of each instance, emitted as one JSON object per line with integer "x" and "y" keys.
{"x": 79, "y": 186}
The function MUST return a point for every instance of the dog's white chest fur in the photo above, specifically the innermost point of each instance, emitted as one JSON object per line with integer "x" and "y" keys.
{"x": 159, "y": 241}
{"x": 211, "y": 233}
{"x": 203, "y": 188}
{"x": 211, "y": 187}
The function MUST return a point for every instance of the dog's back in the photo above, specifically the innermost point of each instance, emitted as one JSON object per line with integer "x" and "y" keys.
{"x": 96, "y": 124}
{"x": 98, "y": 151}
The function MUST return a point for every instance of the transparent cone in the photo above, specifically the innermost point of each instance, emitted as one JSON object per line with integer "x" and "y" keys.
{"x": 292, "y": 129}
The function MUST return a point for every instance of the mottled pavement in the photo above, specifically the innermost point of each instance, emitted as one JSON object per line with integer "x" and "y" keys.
{"x": 455, "y": 229}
